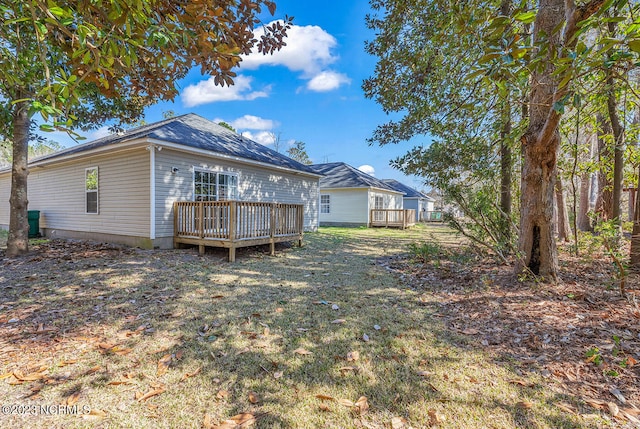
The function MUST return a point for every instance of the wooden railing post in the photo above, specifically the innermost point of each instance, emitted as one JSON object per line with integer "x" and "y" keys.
{"x": 231, "y": 230}
{"x": 272, "y": 229}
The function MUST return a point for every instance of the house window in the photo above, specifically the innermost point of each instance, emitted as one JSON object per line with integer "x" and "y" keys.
{"x": 91, "y": 190}
{"x": 325, "y": 204}
{"x": 378, "y": 203}
{"x": 213, "y": 186}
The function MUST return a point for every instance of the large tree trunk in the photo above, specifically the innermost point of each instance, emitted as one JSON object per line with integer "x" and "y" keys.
{"x": 564, "y": 230}
{"x": 539, "y": 146}
{"x": 541, "y": 140}
{"x": 18, "y": 239}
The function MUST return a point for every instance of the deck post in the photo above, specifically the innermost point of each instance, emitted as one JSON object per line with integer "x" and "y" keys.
{"x": 272, "y": 229}
{"x": 201, "y": 218}
{"x": 232, "y": 231}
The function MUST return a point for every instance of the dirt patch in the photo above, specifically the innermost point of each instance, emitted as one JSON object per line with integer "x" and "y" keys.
{"x": 580, "y": 332}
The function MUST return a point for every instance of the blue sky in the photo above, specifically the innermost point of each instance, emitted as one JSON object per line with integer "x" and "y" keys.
{"x": 310, "y": 91}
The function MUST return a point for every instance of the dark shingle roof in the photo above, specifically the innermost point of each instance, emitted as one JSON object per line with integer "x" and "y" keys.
{"x": 408, "y": 192}
{"x": 194, "y": 131}
{"x": 341, "y": 175}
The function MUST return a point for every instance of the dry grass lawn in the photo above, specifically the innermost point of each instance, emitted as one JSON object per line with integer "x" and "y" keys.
{"x": 317, "y": 337}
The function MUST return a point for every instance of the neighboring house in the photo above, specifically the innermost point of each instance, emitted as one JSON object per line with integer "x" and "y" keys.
{"x": 347, "y": 195}
{"x": 122, "y": 188}
{"x": 412, "y": 199}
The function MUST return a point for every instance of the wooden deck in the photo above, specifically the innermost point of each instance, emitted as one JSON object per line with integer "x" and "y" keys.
{"x": 233, "y": 224}
{"x": 393, "y": 218}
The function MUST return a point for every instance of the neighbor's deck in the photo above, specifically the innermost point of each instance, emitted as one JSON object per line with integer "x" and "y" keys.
{"x": 233, "y": 224}
{"x": 393, "y": 218}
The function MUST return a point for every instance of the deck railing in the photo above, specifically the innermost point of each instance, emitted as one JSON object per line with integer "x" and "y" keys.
{"x": 397, "y": 218}
{"x": 236, "y": 223}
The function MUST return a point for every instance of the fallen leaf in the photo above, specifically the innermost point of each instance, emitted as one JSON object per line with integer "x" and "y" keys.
{"x": 470, "y": 331}
{"x": 237, "y": 422}
{"x": 346, "y": 402}
{"x": 335, "y": 307}
{"x": 398, "y": 423}
{"x": 365, "y": 337}
{"x": 630, "y": 361}
{"x": 163, "y": 364}
{"x": 92, "y": 370}
{"x": 435, "y": 418}
{"x": 222, "y": 394}
{"x": 217, "y": 296}
{"x": 254, "y": 398}
{"x": 324, "y": 407}
{"x": 325, "y": 397}
{"x": 425, "y": 373}
{"x": 302, "y": 351}
{"x": 151, "y": 393}
{"x": 595, "y": 403}
{"x": 279, "y": 310}
{"x": 39, "y": 375}
{"x": 95, "y": 414}
{"x": 191, "y": 374}
{"x": 353, "y": 356}
{"x": 348, "y": 368}
{"x": 338, "y": 321}
{"x": 120, "y": 351}
{"x": 566, "y": 407}
{"x": 618, "y": 395}
{"x": 376, "y": 327}
{"x": 613, "y": 409}
{"x": 278, "y": 374}
{"x": 179, "y": 354}
{"x": 362, "y": 405}
{"x": 72, "y": 399}
{"x": 524, "y": 404}
{"x": 521, "y": 382}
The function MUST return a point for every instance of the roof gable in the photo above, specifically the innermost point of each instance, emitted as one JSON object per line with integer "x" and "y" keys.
{"x": 196, "y": 132}
{"x": 341, "y": 175}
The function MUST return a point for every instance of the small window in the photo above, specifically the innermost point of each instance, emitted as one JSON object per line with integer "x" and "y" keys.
{"x": 91, "y": 190}
{"x": 378, "y": 202}
{"x": 325, "y": 204}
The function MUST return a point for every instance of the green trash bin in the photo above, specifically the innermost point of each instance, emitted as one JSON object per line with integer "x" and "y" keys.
{"x": 34, "y": 223}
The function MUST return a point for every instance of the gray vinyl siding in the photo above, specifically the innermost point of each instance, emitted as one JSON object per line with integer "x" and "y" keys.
{"x": 347, "y": 206}
{"x": 255, "y": 183}
{"x": 58, "y": 191}
{"x": 5, "y": 190}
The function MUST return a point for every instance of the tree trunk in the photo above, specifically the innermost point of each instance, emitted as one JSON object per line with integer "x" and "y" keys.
{"x": 540, "y": 146}
{"x": 618, "y": 151}
{"x": 634, "y": 255}
{"x": 604, "y": 204}
{"x": 18, "y": 239}
{"x": 505, "y": 175}
{"x": 564, "y": 230}
{"x": 584, "y": 223}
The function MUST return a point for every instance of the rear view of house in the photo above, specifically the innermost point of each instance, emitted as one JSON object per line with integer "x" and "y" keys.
{"x": 348, "y": 196}
{"x": 124, "y": 188}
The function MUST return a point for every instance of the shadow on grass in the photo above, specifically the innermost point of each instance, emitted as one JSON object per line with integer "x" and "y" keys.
{"x": 281, "y": 327}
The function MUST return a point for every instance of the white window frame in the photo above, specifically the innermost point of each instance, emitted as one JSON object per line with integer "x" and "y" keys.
{"x": 96, "y": 191}
{"x": 379, "y": 198}
{"x": 218, "y": 185}
{"x": 325, "y": 206}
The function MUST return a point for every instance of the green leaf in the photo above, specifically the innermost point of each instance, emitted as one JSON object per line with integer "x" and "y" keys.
{"x": 57, "y": 11}
{"x": 558, "y": 106}
{"x": 526, "y": 17}
{"x": 634, "y": 45}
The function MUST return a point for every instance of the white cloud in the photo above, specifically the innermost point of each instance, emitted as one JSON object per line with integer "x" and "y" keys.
{"x": 250, "y": 122}
{"x": 327, "y": 81}
{"x": 99, "y": 133}
{"x": 206, "y": 91}
{"x": 263, "y": 137}
{"x": 368, "y": 169}
{"x": 308, "y": 50}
